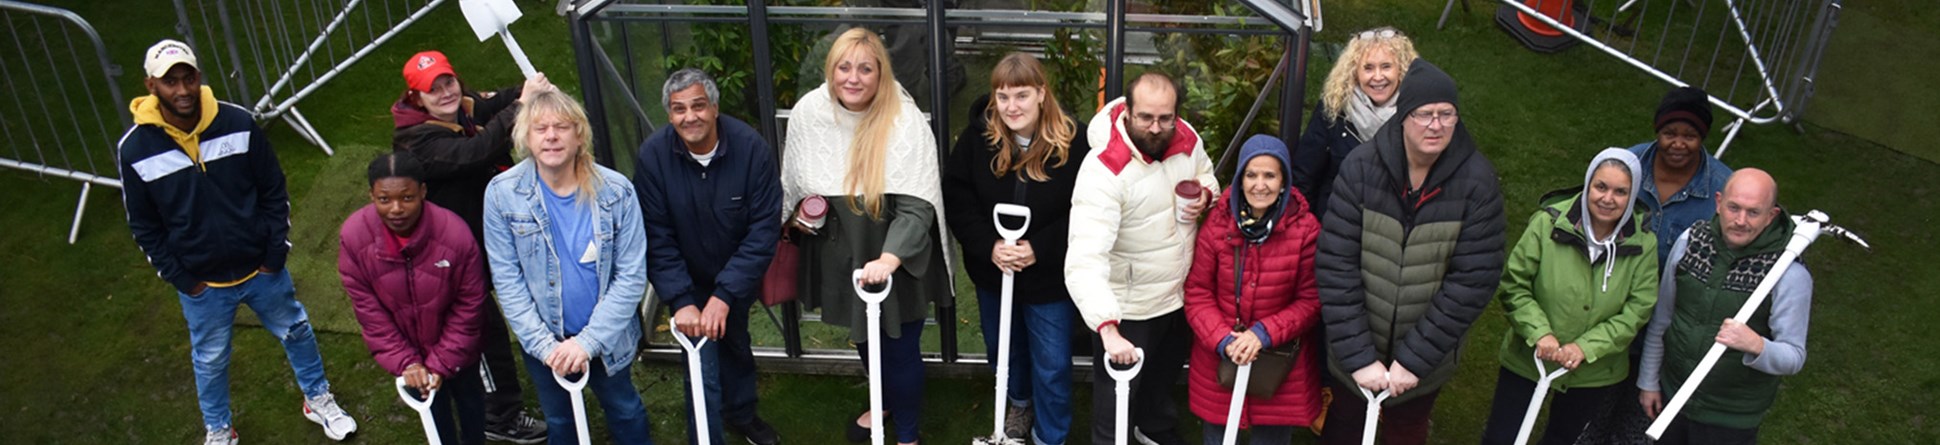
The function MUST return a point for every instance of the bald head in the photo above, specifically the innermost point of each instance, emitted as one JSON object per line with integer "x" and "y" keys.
{"x": 1747, "y": 206}
{"x": 1753, "y": 183}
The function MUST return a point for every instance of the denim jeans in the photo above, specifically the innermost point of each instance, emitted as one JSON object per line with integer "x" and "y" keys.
{"x": 464, "y": 393}
{"x": 212, "y": 319}
{"x": 727, "y": 370}
{"x": 626, "y": 415}
{"x": 1040, "y": 360}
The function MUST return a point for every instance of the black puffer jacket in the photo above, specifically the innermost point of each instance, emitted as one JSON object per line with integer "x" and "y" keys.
{"x": 1403, "y": 272}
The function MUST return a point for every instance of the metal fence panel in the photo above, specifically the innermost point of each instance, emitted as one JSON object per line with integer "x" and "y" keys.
{"x": 281, "y": 51}
{"x": 65, "y": 111}
{"x": 1756, "y": 58}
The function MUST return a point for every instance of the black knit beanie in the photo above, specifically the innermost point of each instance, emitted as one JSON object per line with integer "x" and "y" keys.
{"x": 1687, "y": 105}
{"x": 1425, "y": 84}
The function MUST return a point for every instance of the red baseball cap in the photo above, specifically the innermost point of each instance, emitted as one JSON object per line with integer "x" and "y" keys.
{"x": 423, "y": 68}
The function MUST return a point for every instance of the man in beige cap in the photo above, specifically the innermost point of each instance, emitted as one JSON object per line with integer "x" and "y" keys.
{"x": 207, "y": 205}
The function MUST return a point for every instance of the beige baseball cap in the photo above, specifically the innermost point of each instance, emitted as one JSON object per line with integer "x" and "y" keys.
{"x": 165, "y": 54}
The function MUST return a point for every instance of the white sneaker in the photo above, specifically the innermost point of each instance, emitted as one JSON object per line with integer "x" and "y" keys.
{"x": 324, "y": 411}
{"x": 221, "y": 436}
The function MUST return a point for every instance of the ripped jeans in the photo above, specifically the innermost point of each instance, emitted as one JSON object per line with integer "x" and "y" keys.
{"x": 212, "y": 319}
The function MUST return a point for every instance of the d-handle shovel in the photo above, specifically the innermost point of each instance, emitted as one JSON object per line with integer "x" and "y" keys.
{"x": 872, "y": 307}
{"x": 423, "y": 407}
{"x": 1373, "y": 413}
{"x": 1239, "y": 401}
{"x": 579, "y": 402}
{"x": 1536, "y": 400}
{"x": 1010, "y": 236}
{"x": 1806, "y": 229}
{"x": 702, "y": 431}
{"x": 1122, "y": 386}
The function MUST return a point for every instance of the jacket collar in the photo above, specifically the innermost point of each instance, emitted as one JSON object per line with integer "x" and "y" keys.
{"x": 721, "y": 140}
{"x": 1566, "y": 206}
{"x": 1119, "y": 150}
{"x": 1391, "y": 148}
{"x": 526, "y": 183}
{"x": 413, "y": 247}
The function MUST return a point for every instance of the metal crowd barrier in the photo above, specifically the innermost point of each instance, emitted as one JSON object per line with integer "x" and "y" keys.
{"x": 1757, "y": 58}
{"x": 281, "y": 51}
{"x": 623, "y": 50}
{"x": 65, "y": 113}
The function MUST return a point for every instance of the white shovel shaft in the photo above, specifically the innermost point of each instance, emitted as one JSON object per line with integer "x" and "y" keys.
{"x": 703, "y": 431}
{"x": 1240, "y": 381}
{"x": 1536, "y": 399}
{"x": 1806, "y": 230}
{"x": 1373, "y": 414}
{"x": 1003, "y": 355}
{"x": 1010, "y": 235}
{"x": 518, "y": 54}
{"x": 423, "y": 407}
{"x": 574, "y": 389}
{"x": 872, "y": 304}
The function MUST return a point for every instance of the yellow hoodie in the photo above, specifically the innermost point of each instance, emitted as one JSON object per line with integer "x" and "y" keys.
{"x": 148, "y": 111}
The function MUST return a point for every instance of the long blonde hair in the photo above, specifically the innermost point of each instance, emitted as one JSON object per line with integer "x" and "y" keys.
{"x": 1054, "y": 129}
{"x": 553, "y": 103}
{"x": 868, "y": 151}
{"x": 1341, "y": 79}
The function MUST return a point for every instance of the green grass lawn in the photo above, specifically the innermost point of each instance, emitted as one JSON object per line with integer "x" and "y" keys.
{"x": 101, "y": 352}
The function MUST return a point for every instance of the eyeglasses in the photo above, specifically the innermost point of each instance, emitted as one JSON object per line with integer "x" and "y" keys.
{"x": 1428, "y": 117}
{"x": 1381, "y": 33}
{"x": 1146, "y": 120}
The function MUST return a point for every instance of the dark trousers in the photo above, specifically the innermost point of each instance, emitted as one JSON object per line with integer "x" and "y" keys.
{"x": 1404, "y": 423}
{"x": 464, "y": 391}
{"x": 1215, "y": 434}
{"x": 1166, "y": 340}
{"x": 727, "y": 365}
{"x": 505, "y": 398}
{"x": 902, "y": 380}
{"x": 1621, "y": 420}
{"x": 1569, "y": 411}
{"x": 1683, "y": 431}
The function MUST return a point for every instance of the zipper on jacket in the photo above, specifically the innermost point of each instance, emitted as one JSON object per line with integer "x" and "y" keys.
{"x": 411, "y": 292}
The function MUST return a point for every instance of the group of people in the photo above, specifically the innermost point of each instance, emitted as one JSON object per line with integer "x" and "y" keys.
{"x": 1351, "y": 263}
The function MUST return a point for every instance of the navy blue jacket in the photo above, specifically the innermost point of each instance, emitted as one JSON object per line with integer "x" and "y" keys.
{"x": 711, "y": 230}
{"x": 1317, "y": 158}
{"x": 213, "y": 222}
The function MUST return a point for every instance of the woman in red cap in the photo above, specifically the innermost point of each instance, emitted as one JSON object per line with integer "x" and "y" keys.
{"x": 463, "y": 138}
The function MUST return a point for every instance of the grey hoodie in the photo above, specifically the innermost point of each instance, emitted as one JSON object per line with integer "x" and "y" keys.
{"x": 1597, "y": 247}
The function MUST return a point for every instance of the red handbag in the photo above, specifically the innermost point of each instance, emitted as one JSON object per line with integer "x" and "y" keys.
{"x": 780, "y": 284}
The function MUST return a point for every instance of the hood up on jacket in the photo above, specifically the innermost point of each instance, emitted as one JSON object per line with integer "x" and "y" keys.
{"x": 1257, "y": 227}
{"x": 1606, "y": 246}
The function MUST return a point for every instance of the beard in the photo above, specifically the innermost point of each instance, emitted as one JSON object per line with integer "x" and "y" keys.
{"x": 1152, "y": 145}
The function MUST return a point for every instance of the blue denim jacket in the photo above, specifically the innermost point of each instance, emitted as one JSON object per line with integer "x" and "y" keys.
{"x": 1697, "y": 201}
{"x": 525, "y": 269}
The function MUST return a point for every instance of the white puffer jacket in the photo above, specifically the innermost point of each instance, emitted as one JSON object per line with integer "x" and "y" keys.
{"x": 1128, "y": 252}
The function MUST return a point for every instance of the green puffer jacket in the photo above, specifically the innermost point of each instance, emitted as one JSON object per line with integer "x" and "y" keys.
{"x": 1550, "y": 287}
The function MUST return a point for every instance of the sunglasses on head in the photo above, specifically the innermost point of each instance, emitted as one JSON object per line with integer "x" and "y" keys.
{"x": 1377, "y": 33}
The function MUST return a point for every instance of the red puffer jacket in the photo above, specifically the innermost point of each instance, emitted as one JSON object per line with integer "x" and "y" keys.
{"x": 1280, "y": 295}
{"x": 420, "y": 304}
